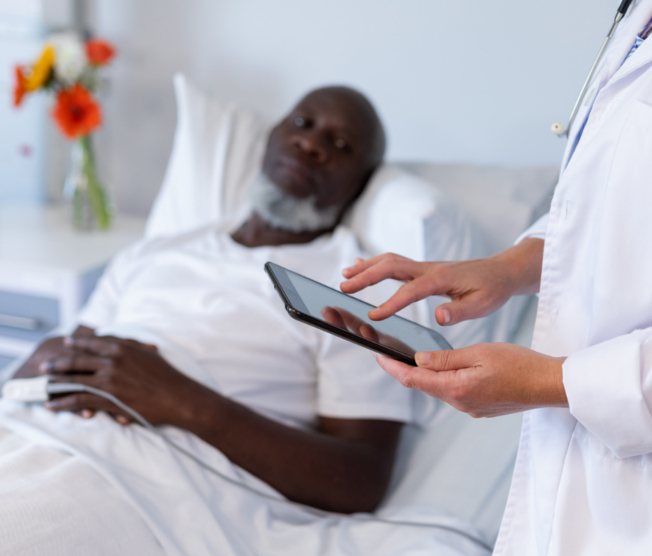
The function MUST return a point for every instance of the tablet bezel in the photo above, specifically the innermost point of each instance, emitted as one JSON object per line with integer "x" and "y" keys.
{"x": 297, "y": 309}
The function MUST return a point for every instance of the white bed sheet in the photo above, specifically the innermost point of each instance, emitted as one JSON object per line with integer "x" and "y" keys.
{"x": 191, "y": 511}
{"x": 53, "y": 503}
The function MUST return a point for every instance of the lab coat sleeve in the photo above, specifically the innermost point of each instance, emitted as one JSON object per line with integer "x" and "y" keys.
{"x": 609, "y": 390}
{"x": 537, "y": 230}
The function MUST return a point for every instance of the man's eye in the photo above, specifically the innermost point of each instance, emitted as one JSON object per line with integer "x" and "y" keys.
{"x": 341, "y": 143}
{"x": 300, "y": 122}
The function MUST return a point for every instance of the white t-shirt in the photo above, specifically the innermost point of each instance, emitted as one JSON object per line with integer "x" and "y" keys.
{"x": 210, "y": 297}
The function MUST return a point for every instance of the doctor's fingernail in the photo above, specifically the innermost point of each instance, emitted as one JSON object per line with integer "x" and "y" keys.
{"x": 423, "y": 358}
{"x": 447, "y": 316}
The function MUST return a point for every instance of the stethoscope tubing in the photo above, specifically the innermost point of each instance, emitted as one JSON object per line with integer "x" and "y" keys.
{"x": 622, "y": 10}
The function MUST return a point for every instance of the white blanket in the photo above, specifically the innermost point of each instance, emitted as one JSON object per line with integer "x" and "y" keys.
{"x": 53, "y": 503}
{"x": 191, "y": 511}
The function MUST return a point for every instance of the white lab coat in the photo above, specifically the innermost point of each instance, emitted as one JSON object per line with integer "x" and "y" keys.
{"x": 583, "y": 477}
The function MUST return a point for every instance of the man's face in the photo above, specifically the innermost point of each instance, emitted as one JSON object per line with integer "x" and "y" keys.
{"x": 323, "y": 148}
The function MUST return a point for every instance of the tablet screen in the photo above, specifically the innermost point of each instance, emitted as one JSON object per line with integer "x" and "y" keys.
{"x": 348, "y": 313}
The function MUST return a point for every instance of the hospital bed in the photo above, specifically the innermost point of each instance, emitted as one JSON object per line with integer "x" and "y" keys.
{"x": 456, "y": 463}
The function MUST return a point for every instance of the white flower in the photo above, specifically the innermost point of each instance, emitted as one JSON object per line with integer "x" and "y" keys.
{"x": 70, "y": 58}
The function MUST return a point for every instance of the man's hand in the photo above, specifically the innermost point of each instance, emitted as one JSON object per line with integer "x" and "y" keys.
{"x": 485, "y": 380}
{"x": 477, "y": 288}
{"x": 49, "y": 349}
{"x": 132, "y": 371}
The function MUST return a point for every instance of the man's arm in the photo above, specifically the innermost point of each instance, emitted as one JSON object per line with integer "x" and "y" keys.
{"x": 343, "y": 466}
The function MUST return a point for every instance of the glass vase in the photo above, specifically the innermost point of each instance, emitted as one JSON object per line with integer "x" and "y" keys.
{"x": 83, "y": 192}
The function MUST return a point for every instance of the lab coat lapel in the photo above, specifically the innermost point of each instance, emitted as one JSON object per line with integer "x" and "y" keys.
{"x": 612, "y": 68}
{"x": 640, "y": 18}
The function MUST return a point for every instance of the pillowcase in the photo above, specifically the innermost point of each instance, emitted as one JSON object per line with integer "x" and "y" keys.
{"x": 218, "y": 148}
{"x": 501, "y": 201}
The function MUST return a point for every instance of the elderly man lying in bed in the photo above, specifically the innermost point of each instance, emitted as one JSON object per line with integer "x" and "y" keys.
{"x": 189, "y": 332}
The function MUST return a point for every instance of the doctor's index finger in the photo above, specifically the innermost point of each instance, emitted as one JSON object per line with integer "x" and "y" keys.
{"x": 406, "y": 295}
{"x": 374, "y": 270}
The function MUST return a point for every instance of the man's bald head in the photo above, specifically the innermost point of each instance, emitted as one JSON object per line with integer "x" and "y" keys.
{"x": 326, "y": 148}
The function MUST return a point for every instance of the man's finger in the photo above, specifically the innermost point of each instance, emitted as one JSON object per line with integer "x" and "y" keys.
{"x": 77, "y": 362}
{"x": 122, "y": 419}
{"x": 78, "y": 402}
{"x": 99, "y": 346}
{"x": 139, "y": 345}
{"x": 87, "y": 404}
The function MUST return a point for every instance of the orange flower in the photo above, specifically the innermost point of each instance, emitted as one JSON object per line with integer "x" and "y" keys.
{"x": 76, "y": 112}
{"x": 99, "y": 52}
{"x": 20, "y": 87}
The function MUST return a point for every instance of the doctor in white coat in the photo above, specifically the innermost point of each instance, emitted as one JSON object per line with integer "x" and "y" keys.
{"x": 583, "y": 477}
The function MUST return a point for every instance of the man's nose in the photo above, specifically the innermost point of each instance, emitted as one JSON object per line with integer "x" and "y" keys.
{"x": 311, "y": 146}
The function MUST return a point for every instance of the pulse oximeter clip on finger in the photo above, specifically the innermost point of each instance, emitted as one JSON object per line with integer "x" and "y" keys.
{"x": 36, "y": 389}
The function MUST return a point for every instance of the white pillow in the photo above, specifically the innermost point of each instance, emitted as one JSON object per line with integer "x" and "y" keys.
{"x": 218, "y": 148}
{"x": 502, "y": 201}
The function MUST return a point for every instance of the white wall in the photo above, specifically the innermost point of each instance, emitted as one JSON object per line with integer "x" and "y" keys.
{"x": 474, "y": 80}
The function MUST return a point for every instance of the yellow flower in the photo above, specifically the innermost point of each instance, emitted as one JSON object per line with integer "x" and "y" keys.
{"x": 41, "y": 69}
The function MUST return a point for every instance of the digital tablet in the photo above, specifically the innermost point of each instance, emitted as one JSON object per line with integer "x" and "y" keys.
{"x": 346, "y": 316}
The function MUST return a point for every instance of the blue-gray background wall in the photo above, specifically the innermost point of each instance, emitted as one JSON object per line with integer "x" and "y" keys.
{"x": 465, "y": 80}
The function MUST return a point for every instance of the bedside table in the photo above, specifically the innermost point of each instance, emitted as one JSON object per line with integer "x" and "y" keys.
{"x": 48, "y": 270}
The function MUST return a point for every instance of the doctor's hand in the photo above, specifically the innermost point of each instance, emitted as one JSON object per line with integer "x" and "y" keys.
{"x": 485, "y": 380}
{"x": 476, "y": 288}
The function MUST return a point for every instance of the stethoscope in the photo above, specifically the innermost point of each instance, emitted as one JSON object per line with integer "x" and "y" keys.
{"x": 557, "y": 128}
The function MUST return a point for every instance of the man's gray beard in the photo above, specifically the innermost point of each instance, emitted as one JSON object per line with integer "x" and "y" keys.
{"x": 283, "y": 211}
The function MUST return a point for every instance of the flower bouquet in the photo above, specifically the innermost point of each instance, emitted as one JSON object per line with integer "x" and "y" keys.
{"x": 69, "y": 68}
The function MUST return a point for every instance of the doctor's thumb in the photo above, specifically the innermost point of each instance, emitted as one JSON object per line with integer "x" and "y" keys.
{"x": 453, "y": 312}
